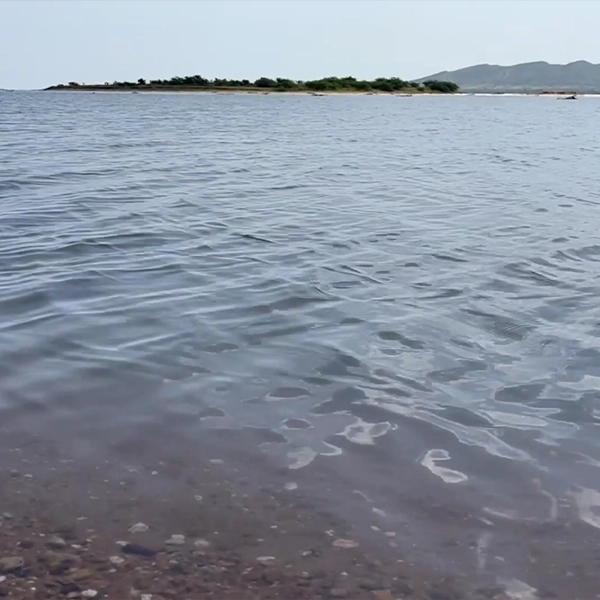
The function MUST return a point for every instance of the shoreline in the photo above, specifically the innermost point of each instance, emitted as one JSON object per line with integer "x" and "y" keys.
{"x": 142, "y": 528}
{"x": 161, "y": 517}
{"x": 243, "y": 92}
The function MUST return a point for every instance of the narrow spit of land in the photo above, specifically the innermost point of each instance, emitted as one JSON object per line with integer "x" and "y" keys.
{"x": 266, "y": 84}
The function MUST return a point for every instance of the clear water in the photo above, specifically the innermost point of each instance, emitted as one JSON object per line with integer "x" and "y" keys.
{"x": 408, "y": 283}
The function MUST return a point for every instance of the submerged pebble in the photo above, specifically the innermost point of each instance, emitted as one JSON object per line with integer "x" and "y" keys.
{"x": 176, "y": 540}
{"x": 10, "y": 564}
{"x": 56, "y": 543}
{"x": 340, "y": 543}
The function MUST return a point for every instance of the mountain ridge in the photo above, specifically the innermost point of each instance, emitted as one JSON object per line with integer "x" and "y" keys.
{"x": 538, "y": 76}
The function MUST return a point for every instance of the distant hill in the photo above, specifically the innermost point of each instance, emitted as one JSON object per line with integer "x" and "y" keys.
{"x": 580, "y": 76}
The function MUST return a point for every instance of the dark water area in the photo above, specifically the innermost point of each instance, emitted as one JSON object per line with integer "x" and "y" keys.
{"x": 394, "y": 301}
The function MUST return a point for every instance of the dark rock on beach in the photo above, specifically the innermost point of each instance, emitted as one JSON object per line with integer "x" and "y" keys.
{"x": 139, "y": 550}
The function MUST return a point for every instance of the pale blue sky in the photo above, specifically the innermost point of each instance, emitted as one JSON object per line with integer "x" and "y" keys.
{"x": 46, "y": 42}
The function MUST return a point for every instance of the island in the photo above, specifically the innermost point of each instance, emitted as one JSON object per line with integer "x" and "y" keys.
{"x": 390, "y": 85}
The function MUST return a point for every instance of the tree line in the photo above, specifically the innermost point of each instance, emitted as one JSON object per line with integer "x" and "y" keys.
{"x": 326, "y": 84}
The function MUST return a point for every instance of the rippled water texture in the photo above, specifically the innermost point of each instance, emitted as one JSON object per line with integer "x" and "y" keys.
{"x": 406, "y": 281}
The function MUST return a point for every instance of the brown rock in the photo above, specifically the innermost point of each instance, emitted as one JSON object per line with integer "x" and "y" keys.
{"x": 3, "y": 590}
{"x": 11, "y": 564}
{"x": 338, "y": 593}
{"x": 27, "y": 544}
{"x": 383, "y": 595}
{"x": 81, "y": 575}
{"x": 60, "y": 562}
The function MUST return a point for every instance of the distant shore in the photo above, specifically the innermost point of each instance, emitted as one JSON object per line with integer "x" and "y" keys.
{"x": 265, "y": 85}
{"x": 225, "y": 91}
{"x": 244, "y": 91}
{"x": 329, "y": 93}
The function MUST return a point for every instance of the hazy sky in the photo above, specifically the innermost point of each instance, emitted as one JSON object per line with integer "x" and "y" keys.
{"x": 47, "y": 42}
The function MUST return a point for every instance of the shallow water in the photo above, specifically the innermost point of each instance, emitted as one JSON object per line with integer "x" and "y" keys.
{"x": 395, "y": 281}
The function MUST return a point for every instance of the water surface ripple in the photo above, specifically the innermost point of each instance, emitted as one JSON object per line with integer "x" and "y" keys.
{"x": 405, "y": 279}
